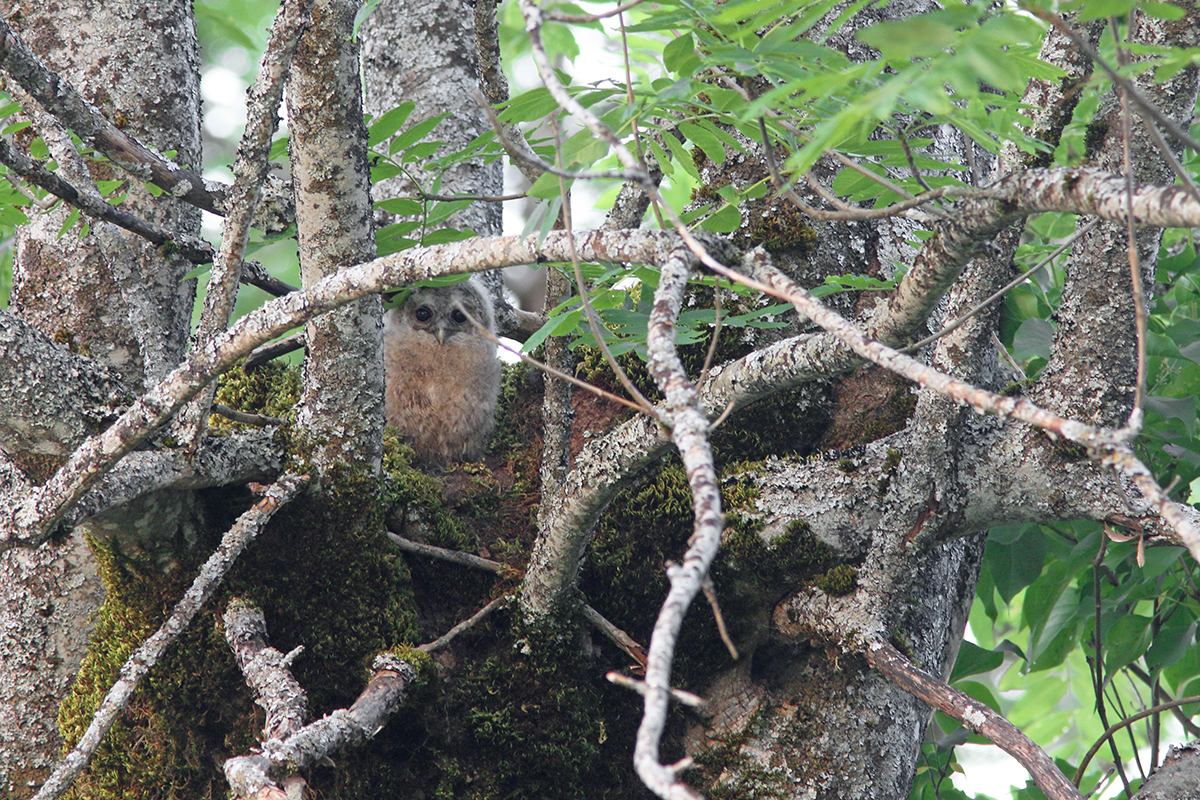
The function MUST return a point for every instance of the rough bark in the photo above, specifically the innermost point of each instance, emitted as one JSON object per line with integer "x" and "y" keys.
{"x": 108, "y": 296}
{"x": 341, "y": 406}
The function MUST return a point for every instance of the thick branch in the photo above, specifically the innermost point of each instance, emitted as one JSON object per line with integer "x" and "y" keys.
{"x": 1080, "y": 191}
{"x": 266, "y": 670}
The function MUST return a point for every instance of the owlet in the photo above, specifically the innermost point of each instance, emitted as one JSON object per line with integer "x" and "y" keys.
{"x": 443, "y": 376}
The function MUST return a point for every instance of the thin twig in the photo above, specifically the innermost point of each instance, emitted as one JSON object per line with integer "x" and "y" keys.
{"x": 1117, "y": 726}
{"x": 441, "y": 553}
{"x": 465, "y": 625}
{"x": 624, "y": 681}
{"x": 710, "y": 593}
{"x": 912, "y": 201}
{"x": 1137, "y": 413}
{"x": 617, "y": 636}
{"x": 593, "y": 319}
{"x": 235, "y": 540}
{"x": 559, "y": 16}
{"x": 977, "y": 717}
{"x": 519, "y": 150}
{"x": 258, "y": 420}
{"x": 483, "y": 198}
{"x": 264, "y": 353}
{"x": 1098, "y": 661}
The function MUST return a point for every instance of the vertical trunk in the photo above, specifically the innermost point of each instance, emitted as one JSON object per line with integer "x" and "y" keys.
{"x": 341, "y": 405}
{"x": 108, "y": 296}
{"x": 425, "y": 52}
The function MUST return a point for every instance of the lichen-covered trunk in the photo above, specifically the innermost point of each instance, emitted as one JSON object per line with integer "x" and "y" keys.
{"x": 341, "y": 404}
{"x": 107, "y": 295}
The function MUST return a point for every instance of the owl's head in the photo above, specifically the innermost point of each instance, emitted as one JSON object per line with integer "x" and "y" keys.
{"x": 447, "y": 311}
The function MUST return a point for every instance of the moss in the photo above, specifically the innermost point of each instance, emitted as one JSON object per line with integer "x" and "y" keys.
{"x": 271, "y": 390}
{"x": 841, "y": 580}
{"x": 325, "y": 578}
{"x": 846, "y": 465}
{"x": 777, "y": 226}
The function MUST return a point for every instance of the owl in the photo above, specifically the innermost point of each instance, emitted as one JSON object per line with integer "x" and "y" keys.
{"x": 443, "y": 377}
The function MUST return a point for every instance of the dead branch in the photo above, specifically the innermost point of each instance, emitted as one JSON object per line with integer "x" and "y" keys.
{"x": 974, "y": 715}
{"x": 266, "y": 670}
{"x": 346, "y": 727}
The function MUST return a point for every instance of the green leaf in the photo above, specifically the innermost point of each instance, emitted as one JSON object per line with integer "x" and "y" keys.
{"x": 196, "y": 272}
{"x": 228, "y": 25}
{"x": 547, "y": 186}
{"x": 1170, "y": 643}
{"x": 972, "y": 660}
{"x": 705, "y": 139}
{"x": 1126, "y": 641}
{"x": 444, "y": 235}
{"x": 1015, "y": 564}
{"x": 279, "y": 148}
{"x": 401, "y": 206}
{"x": 421, "y": 151}
{"x": 387, "y": 125}
{"x": 69, "y": 223}
{"x": 414, "y": 134}
{"x": 534, "y": 104}
{"x": 679, "y": 56}
{"x": 726, "y": 220}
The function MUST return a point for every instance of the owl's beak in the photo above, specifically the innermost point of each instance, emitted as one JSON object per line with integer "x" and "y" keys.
{"x": 440, "y": 333}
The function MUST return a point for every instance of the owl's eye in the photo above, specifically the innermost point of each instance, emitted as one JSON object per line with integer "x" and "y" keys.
{"x": 458, "y": 316}
{"x": 423, "y": 314}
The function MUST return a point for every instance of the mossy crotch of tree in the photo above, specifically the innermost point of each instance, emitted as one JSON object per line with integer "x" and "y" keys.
{"x": 270, "y": 390}
{"x": 326, "y": 579}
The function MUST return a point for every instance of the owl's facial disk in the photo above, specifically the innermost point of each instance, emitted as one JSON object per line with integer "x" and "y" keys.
{"x": 442, "y": 324}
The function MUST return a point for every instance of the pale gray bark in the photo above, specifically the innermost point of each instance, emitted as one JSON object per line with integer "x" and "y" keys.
{"x": 912, "y": 537}
{"x": 108, "y": 296}
{"x": 119, "y": 300}
{"x": 425, "y": 52}
{"x": 341, "y": 404}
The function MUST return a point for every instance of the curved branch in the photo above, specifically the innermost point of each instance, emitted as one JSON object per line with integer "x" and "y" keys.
{"x": 281, "y": 758}
{"x": 689, "y": 431}
{"x": 1078, "y": 191}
